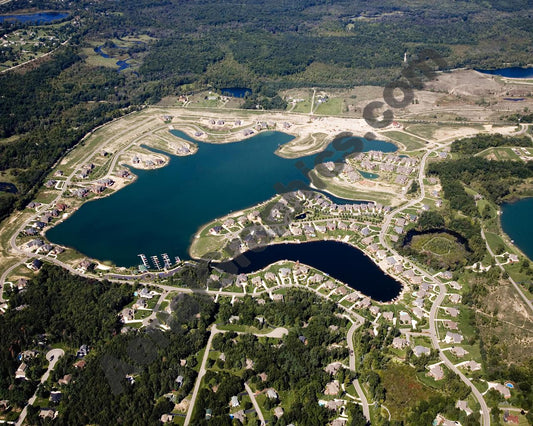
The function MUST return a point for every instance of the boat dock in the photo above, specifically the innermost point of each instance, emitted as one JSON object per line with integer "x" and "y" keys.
{"x": 155, "y": 261}
{"x": 166, "y": 260}
{"x": 144, "y": 260}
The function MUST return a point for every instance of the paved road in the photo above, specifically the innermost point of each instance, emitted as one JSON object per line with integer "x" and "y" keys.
{"x": 4, "y": 277}
{"x": 357, "y": 386}
{"x": 516, "y": 286}
{"x": 52, "y": 357}
{"x": 201, "y": 374}
{"x": 362, "y": 397}
{"x": 256, "y": 405}
{"x": 485, "y": 414}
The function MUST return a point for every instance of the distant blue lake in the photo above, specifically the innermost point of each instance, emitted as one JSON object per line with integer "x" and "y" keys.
{"x": 516, "y": 223}
{"x": 511, "y": 72}
{"x": 122, "y": 65}
{"x": 34, "y": 18}
{"x": 162, "y": 210}
{"x": 236, "y": 92}
{"x": 342, "y": 261}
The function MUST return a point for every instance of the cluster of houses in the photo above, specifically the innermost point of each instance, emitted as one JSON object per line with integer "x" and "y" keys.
{"x": 40, "y": 247}
{"x": 101, "y": 185}
{"x": 402, "y": 166}
{"x": 44, "y": 219}
{"x": 523, "y": 153}
{"x": 127, "y": 315}
{"x": 85, "y": 171}
{"x": 320, "y": 202}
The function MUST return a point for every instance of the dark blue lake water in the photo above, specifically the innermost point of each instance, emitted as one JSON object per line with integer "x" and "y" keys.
{"x": 236, "y": 92}
{"x": 8, "y": 187}
{"x": 34, "y": 18}
{"x": 515, "y": 223}
{"x": 162, "y": 210}
{"x": 341, "y": 261}
{"x": 511, "y": 72}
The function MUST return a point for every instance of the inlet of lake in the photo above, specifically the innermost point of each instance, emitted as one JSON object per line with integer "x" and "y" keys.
{"x": 515, "y": 223}
{"x": 510, "y": 72}
{"x": 344, "y": 262}
{"x": 162, "y": 210}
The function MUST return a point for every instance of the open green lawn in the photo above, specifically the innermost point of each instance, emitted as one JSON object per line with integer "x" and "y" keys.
{"x": 334, "y": 106}
{"x": 352, "y": 194}
{"x": 304, "y": 106}
{"x": 500, "y": 154}
{"x": 410, "y": 142}
{"x": 495, "y": 241}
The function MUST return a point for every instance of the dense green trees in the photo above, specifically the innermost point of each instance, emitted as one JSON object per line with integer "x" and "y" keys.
{"x": 55, "y": 307}
{"x": 478, "y": 143}
{"x": 492, "y": 179}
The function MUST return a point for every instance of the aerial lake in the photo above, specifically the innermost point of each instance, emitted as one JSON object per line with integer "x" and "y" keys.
{"x": 515, "y": 223}
{"x": 162, "y": 210}
{"x": 34, "y": 18}
{"x": 236, "y": 92}
{"x": 343, "y": 262}
{"x": 511, "y": 72}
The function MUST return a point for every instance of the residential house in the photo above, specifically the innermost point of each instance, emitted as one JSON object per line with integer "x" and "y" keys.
{"x": 405, "y": 318}
{"x": 421, "y": 350}
{"x": 455, "y": 298}
{"x": 472, "y": 365}
{"x": 503, "y": 390}
{"x": 333, "y": 368}
{"x": 65, "y": 380}
{"x": 332, "y": 388}
{"x": 418, "y": 312}
{"x": 450, "y": 325}
{"x": 234, "y": 401}
{"x": 47, "y": 413}
{"x": 21, "y": 371}
{"x": 436, "y": 372}
{"x": 35, "y": 265}
{"x": 399, "y": 343}
{"x": 455, "y": 285}
{"x": 272, "y": 394}
{"x": 389, "y": 316}
{"x": 463, "y": 405}
{"x": 455, "y": 338}
{"x": 55, "y": 397}
{"x": 83, "y": 351}
{"x": 453, "y": 312}
{"x": 458, "y": 351}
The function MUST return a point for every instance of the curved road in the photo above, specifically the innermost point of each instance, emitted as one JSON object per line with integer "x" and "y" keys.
{"x": 485, "y": 413}
{"x": 52, "y": 357}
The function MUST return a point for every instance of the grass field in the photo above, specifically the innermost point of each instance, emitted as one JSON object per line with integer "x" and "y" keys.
{"x": 404, "y": 390}
{"x": 425, "y": 131}
{"x": 410, "y": 142}
{"x": 334, "y": 106}
{"x": 499, "y": 154}
{"x": 304, "y": 106}
{"x": 352, "y": 194}
{"x": 441, "y": 246}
